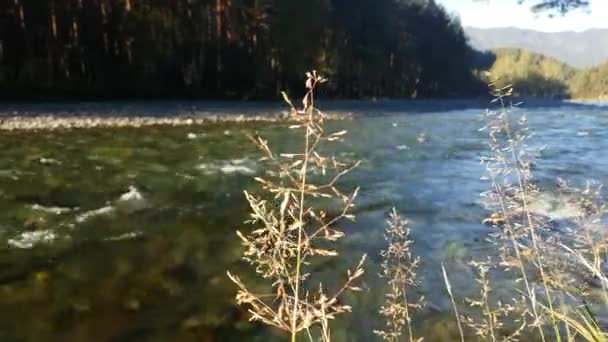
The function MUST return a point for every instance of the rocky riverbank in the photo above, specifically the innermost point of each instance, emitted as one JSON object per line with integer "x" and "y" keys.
{"x": 34, "y": 123}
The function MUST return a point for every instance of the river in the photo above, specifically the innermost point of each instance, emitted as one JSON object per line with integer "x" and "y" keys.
{"x": 126, "y": 234}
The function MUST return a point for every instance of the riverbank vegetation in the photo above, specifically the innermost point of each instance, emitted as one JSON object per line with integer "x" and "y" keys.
{"x": 286, "y": 241}
{"x": 560, "y": 287}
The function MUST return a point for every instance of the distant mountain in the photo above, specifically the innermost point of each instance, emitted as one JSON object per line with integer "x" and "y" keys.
{"x": 578, "y": 49}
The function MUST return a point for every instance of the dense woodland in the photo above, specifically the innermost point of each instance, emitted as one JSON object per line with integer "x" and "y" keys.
{"x": 231, "y": 48}
{"x": 238, "y": 49}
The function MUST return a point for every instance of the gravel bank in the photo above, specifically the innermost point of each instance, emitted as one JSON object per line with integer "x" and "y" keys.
{"x": 34, "y": 123}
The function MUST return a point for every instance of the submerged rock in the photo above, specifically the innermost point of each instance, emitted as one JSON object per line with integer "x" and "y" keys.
{"x": 454, "y": 251}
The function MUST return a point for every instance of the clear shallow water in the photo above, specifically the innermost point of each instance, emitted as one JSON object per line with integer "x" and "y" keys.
{"x": 126, "y": 234}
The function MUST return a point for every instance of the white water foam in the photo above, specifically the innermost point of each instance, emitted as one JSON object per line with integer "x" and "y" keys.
{"x": 234, "y": 166}
{"x": 52, "y": 210}
{"x": 97, "y": 212}
{"x": 28, "y": 240}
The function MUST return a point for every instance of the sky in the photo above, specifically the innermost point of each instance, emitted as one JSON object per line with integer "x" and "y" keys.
{"x": 504, "y": 13}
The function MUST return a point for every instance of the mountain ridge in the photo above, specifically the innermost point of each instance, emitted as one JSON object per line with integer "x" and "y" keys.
{"x": 570, "y": 47}
{"x": 531, "y": 30}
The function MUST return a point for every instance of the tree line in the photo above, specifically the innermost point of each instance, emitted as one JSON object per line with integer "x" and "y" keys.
{"x": 231, "y": 48}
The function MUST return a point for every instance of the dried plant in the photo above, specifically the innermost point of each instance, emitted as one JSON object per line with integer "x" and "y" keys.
{"x": 290, "y": 231}
{"x": 589, "y": 241}
{"x": 583, "y": 325}
{"x": 518, "y": 232}
{"x": 399, "y": 269}
{"x": 583, "y": 265}
{"x": 491, "y": 324}
{"x": 525, "y": 238}
{"x": 448, "y": 287}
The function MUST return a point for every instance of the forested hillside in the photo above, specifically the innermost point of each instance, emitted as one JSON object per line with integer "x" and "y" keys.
{"x": 533, "y": 74}
{"x": 230, "y": 48}
{"x": 591, "y": 84}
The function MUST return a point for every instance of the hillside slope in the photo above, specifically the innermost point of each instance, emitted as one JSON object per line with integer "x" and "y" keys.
{"x": 578, "y": 49}
{"x": 532, "y": 73}
{"x": 590, "y": 84}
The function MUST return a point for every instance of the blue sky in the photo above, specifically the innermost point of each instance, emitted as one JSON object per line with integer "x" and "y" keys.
{"x": 503, "y": 13}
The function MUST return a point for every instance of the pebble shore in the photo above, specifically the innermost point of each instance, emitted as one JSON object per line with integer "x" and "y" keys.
{"x": 35, "y": 123}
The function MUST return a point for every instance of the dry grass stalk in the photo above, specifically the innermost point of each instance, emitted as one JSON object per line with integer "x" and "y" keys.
{"x": 399, "y": 269}
{"x": 560, "y": 260}
{"x": 585, "y": 326}
{"x": 290, "y": 230}
{"x": 491, "y": 325}
{"x": 589, "y": 242}
{"x": 518, "y": 229}
{"x": 585, "y": 249}
{"x": 448, "y": 287}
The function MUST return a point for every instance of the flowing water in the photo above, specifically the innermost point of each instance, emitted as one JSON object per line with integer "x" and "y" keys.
{"x": 126, "y": 234}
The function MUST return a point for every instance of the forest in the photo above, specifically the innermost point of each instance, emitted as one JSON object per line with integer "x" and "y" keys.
{"x": 242, "y": 49}
{"x": 234, "y": 49}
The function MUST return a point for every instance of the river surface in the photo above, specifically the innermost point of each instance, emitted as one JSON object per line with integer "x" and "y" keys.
{"x": 126, "y": 234}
